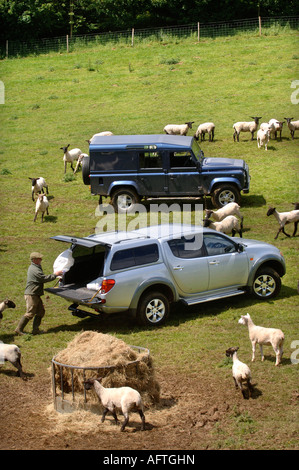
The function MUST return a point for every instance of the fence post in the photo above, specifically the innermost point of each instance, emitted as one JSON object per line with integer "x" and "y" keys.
{"x": 260, "y": 26}
{"x": 198, "y": 31}
{"x": 67, "y": 43}
{"x": 132, "y": 37}
{"x": 7, "y": 48}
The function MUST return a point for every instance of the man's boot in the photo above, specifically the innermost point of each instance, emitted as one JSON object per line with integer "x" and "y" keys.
{"x": 22, "y": 323}
{"x": 36, "y": 322}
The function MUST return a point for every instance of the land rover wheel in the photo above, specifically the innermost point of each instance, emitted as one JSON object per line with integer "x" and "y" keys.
{"x": 225, "y": 194}
{"x": 86, "y": 170}
{"x": 153, "y": 309}
{"x": 124, "y": 200}
{"x": 266, "y": 284}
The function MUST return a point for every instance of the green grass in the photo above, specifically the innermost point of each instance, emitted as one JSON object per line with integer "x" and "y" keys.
{"x": 57, "y": 99}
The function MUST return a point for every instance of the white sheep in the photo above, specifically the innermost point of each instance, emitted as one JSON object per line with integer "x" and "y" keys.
{"x": 99, "y": 134}
{"x": 276, "y": 126}
{"x": 292, "y": 125}
{"x": 229, "y": 224}
{"x": 284, "y": 218}
{"x": 69, "y": 156}
{"x": 178, "y": 129}
{"x": 124, "y": 398}
{"x": 41, "y": 205}
{"x": 11, "y": 353}
{"x": 241, "y": 372}
{"x": 38, "y": 185}
{"x": 264, "y": 336}
{"x": 243, "y": 126}
{"x": 208, "y": 127}
{"x": 263, "y": 137}
{"x": 232, "y": 208}
{"x": 79, "y": 161}
{"x": 6, "y": 304}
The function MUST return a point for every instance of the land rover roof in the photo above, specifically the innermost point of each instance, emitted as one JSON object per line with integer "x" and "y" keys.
{"x": 141, "y": 141}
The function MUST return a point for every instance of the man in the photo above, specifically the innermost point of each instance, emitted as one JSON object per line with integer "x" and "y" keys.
{"x": 33, "y": 292}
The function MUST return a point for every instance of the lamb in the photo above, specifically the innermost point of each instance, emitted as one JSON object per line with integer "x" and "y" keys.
{"x": 241, "y": 372}
{"x": 229, "y": 224}
{"x": 41, "y": 205}
{"x": 178, "y": 129}
{"x": 99, "y": 134}
{"x": 250, "y": 126}
{"x": 125, "y": 398}
{"x": 11, "y": 353}
{"x": 292, "y": 125}
{"x": 6, "y": 304}
{"x": 208, "y": 127}
{"x": 260, "y": 335}
{"x": 276, "y": 127}
{"x": 70, "y": 156}
{"x": 38, "y": 185}
{"x": 79, "y": 161}
{"x": 284, "y": 218}
{"x": 263, "y": 137}
{"x": 232, "y": 208}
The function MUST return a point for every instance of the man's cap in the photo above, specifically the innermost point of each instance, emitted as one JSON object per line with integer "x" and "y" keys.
{"x": 36, "y": 255}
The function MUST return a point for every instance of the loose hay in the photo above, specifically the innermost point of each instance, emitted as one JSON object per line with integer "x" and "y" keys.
{"x": 119, "y": 365}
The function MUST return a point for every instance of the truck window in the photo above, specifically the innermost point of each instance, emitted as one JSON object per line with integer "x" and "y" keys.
{"x": 134, "y": 257}
{"x": 181, "y": 160}
{"x": 150, "y": 160}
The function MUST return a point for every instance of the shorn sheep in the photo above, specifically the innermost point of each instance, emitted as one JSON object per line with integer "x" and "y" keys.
{"x": 178, "y": 129}
{"x": 276, "y": 126}
{"x": 99, "y": 134}
{"x": 69, "y": 156}
{"x": 241, "y": 372}
{"x": 242, "y": 126}
{"x": 124, "y": 398}
{"x": 79, "y": 161}
{"x": 228, "y": 225}
{"x": 263, "y": 137}
{"x": 206, "y": 127}
{"x": 41, "y": 205}
{"x": 232, "y": 208}
{"x": 292, "y": 125}
{"x": 6, "y": 304}
{"x": 38, "y": 185}
{"x": 11, "y": 353}
{"x": 264, "y": 336}
{"x": 284, "y": 218}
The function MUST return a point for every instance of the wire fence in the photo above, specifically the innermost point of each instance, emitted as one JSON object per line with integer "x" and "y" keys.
{"x": 255, "y": 26}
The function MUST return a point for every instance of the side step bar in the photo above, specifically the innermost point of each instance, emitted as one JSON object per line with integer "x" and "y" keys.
{"x": 222, "y": 295}
{"x": 77, "y": 312}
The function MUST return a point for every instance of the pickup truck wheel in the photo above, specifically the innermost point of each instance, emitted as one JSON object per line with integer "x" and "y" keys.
{"x": 153, "y": 309}
{"x": 266, "y": 284}
{"x": 224, "y": 195}
{"x": 124, "y": 200}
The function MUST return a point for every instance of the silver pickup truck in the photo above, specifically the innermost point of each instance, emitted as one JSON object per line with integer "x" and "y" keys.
{"x": 146, "y": 271}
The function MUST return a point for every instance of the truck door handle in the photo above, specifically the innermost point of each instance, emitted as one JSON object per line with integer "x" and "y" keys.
{"x": 178, "y": 268}
{"x": 214, "y": 262}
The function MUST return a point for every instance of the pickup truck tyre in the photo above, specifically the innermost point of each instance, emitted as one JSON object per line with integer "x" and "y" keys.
{"x": 124, "y": 200}
{"x": 153, "y": 309}
{"x": 266, "y": 284}
{"x": 225, "y": 194}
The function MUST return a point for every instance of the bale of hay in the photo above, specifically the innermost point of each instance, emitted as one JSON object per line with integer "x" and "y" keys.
{"x": 108, "y": 357}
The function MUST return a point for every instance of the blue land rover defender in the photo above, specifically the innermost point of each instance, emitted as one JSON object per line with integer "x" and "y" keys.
{"x": 129, "y": 168}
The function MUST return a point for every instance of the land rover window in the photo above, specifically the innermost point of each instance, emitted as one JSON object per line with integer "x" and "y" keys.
{"x": 138, "y": 256}
{"x": 181, "y": 160}
{"x": 150, "y": 160}
{"x": 218, "y": 245}
{"x": 187, "y": 247}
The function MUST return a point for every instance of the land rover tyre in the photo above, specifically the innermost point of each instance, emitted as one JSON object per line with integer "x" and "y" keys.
{"x": 86, "y": 170}
{"x": 153, "y": 309}
{"x": 225, "y": 194}
{"x": 124, "y": 200}
{"x": 266, "y": 284}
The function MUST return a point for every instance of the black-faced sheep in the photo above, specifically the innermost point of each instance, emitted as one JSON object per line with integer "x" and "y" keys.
{"x": 12, "y": 354}
{"x": 284, "y": 218}
{"x": 69, "y": 156}
{"x": 178, "y": 129}
{"x": 241, "y": 372}
{"x": 243, "y": 126}
{"x": 41, "y": 205}
{"x": 38, "y": 185}
{"x": 292, "y": 125}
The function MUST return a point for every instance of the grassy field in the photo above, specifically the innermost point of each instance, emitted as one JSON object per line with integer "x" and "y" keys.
{"x": 54, "y": 100}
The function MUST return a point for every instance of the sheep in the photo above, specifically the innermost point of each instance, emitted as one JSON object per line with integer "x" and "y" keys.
{"x": 241, "y": 372}
{"x": 260, "y": 335}
{"x": 79, "y": 161}
{"x": 11, "y": 353}
{"x": 276, "y": 127}
{"x": 263, "y": 137}
{"x": 284, "y": 218}
{"x": 250, "y": 126}
{"x": 292, "y": 125}
{"x": 125, "y": 398}
{"x": 38, "y": 185}
{"x": 178, "y": 129}
{"x": 70, "y": 156}
{"x": 6, "y": 304}
{"x": 227, "y": 225}
{"x": 232, "y": 208}
{"x": 41, "y": 205}
{"x": 105, "y": 133}
{"x": 208, "y": 127}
